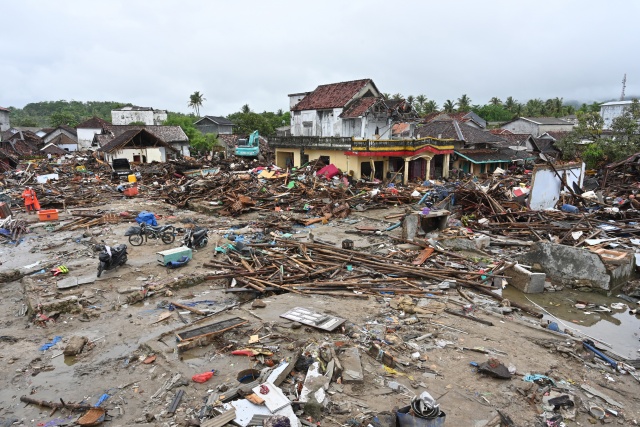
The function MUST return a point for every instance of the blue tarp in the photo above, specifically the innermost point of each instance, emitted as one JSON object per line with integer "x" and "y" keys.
{"x": 146, "y": 217}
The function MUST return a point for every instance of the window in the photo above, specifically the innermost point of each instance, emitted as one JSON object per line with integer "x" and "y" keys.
{"x": 325, "y": 159}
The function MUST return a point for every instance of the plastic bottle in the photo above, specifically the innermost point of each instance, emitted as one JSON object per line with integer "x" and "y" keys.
{"x": 203, "y": 377}
{"x": 569, "y": 208}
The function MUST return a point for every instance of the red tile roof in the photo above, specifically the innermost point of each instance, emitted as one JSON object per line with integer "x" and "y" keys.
{"x": 358, "y": 107}
{"x": 335, "y": 95}
{"x": 4, "y": 109}
{"x": 400, "y": 129}
{"x": 93, "y": 123}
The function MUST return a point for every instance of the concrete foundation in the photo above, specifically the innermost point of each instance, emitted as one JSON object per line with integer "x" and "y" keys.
{"x": 418, "y": 223}
{"x": 525, "y": 280}
{"x": 578, "y": 267}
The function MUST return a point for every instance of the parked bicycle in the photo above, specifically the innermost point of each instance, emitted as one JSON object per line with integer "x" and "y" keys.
{"x": 141, "y": 234}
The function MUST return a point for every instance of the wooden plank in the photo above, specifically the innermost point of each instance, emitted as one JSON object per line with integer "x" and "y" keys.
{"x": 206, "y": 334}
{"x": 191, "y": 309}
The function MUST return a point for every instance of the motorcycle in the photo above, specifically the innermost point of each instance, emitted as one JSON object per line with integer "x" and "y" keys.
{"x": 196, "y": 237}
{"x": 138, "y": 235}
{"x": 111, "y": 258}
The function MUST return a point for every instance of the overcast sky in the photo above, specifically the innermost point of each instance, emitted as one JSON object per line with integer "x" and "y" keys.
{"x": 156, "y": 53}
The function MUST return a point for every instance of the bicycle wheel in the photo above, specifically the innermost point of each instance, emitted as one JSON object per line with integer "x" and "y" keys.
{"x": 168, "y": 238}
{"x": 135, "y": 240}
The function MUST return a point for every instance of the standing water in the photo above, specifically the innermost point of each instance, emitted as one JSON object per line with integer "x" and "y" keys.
{"x": 580, "y": 312}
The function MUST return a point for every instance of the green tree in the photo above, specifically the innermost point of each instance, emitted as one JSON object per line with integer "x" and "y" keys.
{"x": 589, "y": 128}
{"x": 430, "y": 106}
{"x": 533, "y": 108}
{"x": 63, "y": 118}
{"x": 204, "y": 143}
{"x": 510, "y": 104}
{"x": 248, "y": 122}
{"x": 464, "y": 103}
{"x": 495, "y": 101}
{"x": 421, "y": 100}
{"x": 386, "y": 95}
{"x": 411, "y": 99}
{"x": 449, "y": 106}
{"x": 397, "y": 97}
{"x": 195, "y": 101}
{"x": 245, "y": 109}
{"x": 493, "y": 113}
{"x": 197, "y": 140}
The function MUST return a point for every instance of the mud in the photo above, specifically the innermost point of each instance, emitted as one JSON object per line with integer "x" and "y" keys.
{"x": 122, "y": 335}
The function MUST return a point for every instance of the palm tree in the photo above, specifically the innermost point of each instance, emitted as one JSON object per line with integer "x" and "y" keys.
{"x": 558, "y": 105}
{"x": 195, "y": 101}
{"x": 495, "y": 101}
{"x": 449, "y": 106}
{"x": 464, "y": 103}
{"x": 410, "y": 99}
{"x": 430, "y": 106}
{"x": 534, "y": 108}
{"x": 397, "y": 97}
{"x": 386, "y": 95}
{"x": 510, "y": 104}
{"x": 421, "y": 100}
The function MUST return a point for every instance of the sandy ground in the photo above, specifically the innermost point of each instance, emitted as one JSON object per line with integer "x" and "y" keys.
{"x": 122, "y": 335}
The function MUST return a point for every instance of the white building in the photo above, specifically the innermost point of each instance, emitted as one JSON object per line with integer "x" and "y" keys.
{"x": 138, "y": 146}
{"x": 346, "y": 109}
{"x": 62, "y": 136}
{"x": 4, "y": 119}
{"x": 88, "y": 129}
{"x": 536, "y": 126}
{"x": 172, "y": 135}
{"x": 612, "y": 110}
{"x": 137, "y": 115}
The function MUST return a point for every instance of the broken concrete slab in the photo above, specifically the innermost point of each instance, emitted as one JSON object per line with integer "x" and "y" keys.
{"x": 577, "y": 267}
{"x": 75, "y": 345}
{"x": 72, "y": 282}
{"x": 463, "y": 243}
{"x": 245, "y": 411}
{"x": 314, "y": 384}
{"x": 352, "y": 366}
{"x": 525, "y": 280}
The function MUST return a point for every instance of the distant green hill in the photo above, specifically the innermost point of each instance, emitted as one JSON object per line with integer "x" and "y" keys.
{"x": 53, "y": 113}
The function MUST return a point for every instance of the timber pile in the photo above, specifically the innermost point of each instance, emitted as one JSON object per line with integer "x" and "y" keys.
{"x": 314, "y": 268}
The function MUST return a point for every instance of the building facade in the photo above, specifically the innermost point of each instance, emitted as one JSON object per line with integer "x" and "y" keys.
{"x": 138, "y": 115}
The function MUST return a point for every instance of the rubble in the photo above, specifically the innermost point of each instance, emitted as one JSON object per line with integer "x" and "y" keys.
{"x": 319, "y": 300}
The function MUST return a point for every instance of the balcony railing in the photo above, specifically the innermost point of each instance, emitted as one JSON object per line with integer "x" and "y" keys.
{"x": 317, "y": 142}
{"x": 352, "y": 144}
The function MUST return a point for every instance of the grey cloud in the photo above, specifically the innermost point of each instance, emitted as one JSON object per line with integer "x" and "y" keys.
{"x": 155, "y": 53}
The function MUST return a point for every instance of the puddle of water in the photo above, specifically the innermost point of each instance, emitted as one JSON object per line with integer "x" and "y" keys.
{"x": 70, "y": 360}
{"x": 617, "y": 328}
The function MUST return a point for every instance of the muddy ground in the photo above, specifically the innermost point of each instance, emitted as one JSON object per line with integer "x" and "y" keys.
{"x": 122, "y": 335}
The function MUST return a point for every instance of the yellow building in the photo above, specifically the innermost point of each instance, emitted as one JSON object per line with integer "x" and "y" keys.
{"x": 395, "y": 159}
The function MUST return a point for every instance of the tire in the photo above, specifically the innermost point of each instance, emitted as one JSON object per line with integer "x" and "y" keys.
{"x": 135, "y": 239}
{"x": 168, "y": 238}
{"x": 124, "y": 260}
{"x": 203, "y": 243}
{"x": 100, "y": 268}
